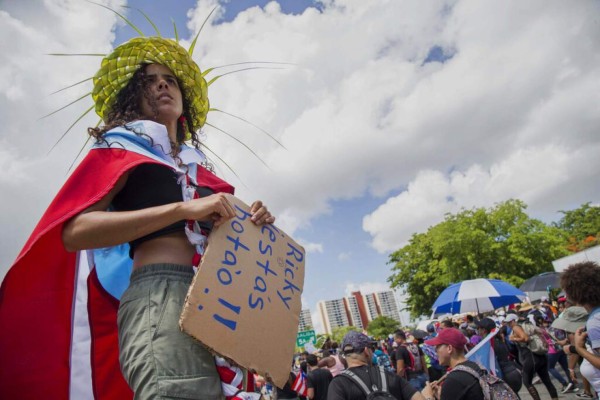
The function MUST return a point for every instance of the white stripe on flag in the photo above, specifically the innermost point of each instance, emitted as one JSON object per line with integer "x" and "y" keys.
{"x": 81, "y": 368}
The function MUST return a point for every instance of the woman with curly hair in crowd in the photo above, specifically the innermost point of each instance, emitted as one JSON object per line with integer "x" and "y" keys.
{"x": 581, "y": 283}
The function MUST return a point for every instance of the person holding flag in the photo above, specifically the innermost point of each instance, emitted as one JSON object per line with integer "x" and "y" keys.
{"x": 510, "y": 372}
{"x": 459, "y": 383}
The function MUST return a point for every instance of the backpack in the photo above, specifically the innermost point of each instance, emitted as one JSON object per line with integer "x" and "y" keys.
{"x": 493, "y": 388}
{"x": 383, "y": 360}
{"x": 379, "y": 390}
{"x": 415, "y": 357}
{"x": 537, "y": 343}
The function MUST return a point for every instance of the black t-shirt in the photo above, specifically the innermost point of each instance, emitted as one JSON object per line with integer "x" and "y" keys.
{"x": 286, "y": 392}
{"x": 319, "y": 380}
{"x": 503, "y": 356}
{"x": 402, "y": 353}
{"x": 343, "y": 388}
{"x": 460, "y": 385}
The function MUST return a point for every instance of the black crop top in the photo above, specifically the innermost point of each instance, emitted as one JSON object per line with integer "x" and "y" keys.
{"x": 150, "y": 185}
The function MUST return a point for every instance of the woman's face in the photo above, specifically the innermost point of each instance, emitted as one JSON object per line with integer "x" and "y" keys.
{"x": 162, "y": 102}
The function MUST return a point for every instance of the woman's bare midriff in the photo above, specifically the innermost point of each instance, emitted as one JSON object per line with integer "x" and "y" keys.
{"x": 173, "y": 248}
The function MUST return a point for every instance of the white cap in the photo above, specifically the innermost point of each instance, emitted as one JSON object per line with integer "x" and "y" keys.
{"x": 511, "y": 317}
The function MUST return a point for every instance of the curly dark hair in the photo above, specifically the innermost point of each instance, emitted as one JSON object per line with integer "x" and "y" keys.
{"x": 127, "y": 108}
{"x": 581, "y": 282}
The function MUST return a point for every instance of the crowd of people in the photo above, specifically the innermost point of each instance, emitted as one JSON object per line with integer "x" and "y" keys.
{"x": 556, "y": 338}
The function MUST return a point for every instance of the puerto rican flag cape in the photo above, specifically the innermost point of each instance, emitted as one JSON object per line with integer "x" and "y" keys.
{"x": 58, "y": 309}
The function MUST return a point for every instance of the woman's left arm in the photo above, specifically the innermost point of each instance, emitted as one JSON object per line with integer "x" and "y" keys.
{"x": 592, "y": 358}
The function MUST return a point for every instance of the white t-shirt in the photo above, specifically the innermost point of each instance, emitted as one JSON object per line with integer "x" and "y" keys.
{"x": 593, "y": 330}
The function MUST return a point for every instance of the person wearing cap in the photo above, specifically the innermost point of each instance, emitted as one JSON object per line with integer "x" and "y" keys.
{"x": 511, "y": 373}
{"x": 563, "y": 329}
{"x": 532, "y": 363}
{"x": 581, "y": 283}
{"x": 357, "y": 350}
{"x": 410, "y": 361}
{"x": 148, "y": 201}
{"x": 455, "y": 385}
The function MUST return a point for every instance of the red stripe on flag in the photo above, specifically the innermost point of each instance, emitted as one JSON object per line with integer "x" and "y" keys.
{"x": 107, "y": 379}
{"x": 299, "y": 385}
{"x": 36, "y": 296}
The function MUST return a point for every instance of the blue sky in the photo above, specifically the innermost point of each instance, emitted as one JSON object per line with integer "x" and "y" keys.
{"x": 158, "y": 11}
{"x": 392, "y": 113}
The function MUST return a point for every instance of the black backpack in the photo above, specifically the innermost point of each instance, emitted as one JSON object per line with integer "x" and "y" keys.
{"x": 379, "y": 384}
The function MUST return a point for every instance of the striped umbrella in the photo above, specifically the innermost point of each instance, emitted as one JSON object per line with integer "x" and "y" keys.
{"x": 478, "y": 295}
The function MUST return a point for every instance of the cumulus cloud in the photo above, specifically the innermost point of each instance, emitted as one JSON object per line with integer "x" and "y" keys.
{"x": 506, "y": 115}
{"x": 311, "y": 247}
{"x": 534, "y": 175}
{"x": 364, "y": 109}
{"x": 365, "y": 287}
{"x": 30, "y": 174}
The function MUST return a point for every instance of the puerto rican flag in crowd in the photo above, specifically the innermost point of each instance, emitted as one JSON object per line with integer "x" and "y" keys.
{"x": 484, "y": 355}
{"x": 300, "y": 384}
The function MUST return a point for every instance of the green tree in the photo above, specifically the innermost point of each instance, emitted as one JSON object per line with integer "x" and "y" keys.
{"x": 321, "y": 337}
{"x": 582, "y": 226}
{"x": 337, "y": 334}
{"x": 382, "y": 326}
{"x": 502, "y": 242}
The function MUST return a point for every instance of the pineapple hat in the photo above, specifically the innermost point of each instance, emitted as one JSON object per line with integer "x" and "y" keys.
{"x": 119, "y": 66}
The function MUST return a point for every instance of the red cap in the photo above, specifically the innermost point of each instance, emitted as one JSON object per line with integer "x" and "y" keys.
{"x": 451, "y": 336}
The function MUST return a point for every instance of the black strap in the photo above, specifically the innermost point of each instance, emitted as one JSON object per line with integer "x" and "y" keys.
{"x": 357, "y": 380}
{"x": 378, "y": 383}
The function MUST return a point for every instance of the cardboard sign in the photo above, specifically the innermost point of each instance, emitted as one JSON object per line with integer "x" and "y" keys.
{"x": 244, "y": 303}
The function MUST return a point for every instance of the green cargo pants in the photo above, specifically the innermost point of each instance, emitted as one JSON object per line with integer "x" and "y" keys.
{"x": 157, "y": 359}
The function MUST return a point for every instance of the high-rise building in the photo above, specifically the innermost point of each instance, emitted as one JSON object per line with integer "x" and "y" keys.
{"x": 333, "y": 314}
{"x": 305, "y": 321}
{"x": 388, "y": 305}
{"x": 372, "y": 306}
{"x": 365, "y": 316}
{"x": 358, "y": 310}
{"x": 351, "y": 304}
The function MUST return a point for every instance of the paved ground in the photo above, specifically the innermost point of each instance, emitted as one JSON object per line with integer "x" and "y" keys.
{"x": 524, "y": 394}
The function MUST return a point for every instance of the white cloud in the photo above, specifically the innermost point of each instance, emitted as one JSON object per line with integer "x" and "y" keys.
{"x": 317, "y": 322}
{"x": 366, "y": 287}
{"x": 311, "y": 247}
{"x": 534, "y": 175}
{"x": 344, "y": 256}
{"x": 28, "y": 171}
{"x": 362, "y": 113}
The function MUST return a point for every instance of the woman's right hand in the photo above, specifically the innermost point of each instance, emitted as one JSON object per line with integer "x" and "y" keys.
{"x": 216, "y": 208}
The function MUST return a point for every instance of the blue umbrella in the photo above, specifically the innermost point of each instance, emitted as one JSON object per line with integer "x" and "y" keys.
{"x": 478, "y": 295}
